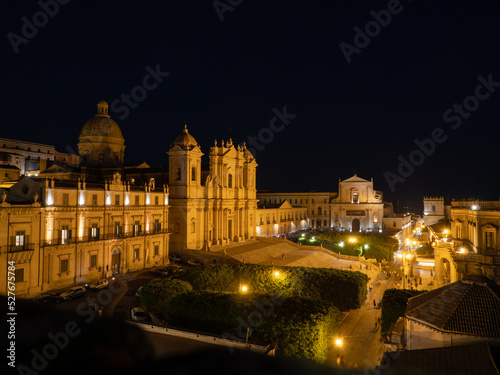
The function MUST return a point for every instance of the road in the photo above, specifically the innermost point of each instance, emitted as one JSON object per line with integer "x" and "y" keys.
{"x": 168, "y": 346}
{"x": 362, "y": 346}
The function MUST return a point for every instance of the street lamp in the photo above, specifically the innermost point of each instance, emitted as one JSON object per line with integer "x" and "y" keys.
{"x": 339, "y": 343}
{"x": 352, "y": 240}
{"x": 405, "y": 256}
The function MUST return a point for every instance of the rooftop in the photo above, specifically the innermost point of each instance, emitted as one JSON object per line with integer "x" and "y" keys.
{"x": 468, "y": 307}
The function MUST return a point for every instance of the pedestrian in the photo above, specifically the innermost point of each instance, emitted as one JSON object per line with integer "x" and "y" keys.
{"x": 338, "y": 359}
{"x": 374, "y": 303}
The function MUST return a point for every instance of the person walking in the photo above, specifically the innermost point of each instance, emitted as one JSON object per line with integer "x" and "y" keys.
{"x": 374, "y": 303}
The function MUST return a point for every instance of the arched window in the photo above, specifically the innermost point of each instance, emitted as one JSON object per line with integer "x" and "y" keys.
{"x": 193, "y": 226}
{"x": 355, "y": 198}
{"x": 433, "y": 208}
{"x": 177, "y": 173}
{"x": 230, "y": 180}
{"x": 375, "y": 218}
{"x": 193, "y": 174}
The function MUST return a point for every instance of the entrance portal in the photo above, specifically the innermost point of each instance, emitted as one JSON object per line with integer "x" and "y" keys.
{"x": 355, "y": 225}
{"x": 116, "y": 261}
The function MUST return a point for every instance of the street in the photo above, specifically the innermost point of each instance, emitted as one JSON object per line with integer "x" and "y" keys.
{"x": 361, "y": 343}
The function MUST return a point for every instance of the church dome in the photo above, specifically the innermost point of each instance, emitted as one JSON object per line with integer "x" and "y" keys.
{"x": 101, "y": 125}
{"x": 185, "y": 139}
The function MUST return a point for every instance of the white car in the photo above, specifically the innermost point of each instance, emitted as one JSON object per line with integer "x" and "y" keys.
{"x": 103, "y": 283}
{"x": 138, "y": 314}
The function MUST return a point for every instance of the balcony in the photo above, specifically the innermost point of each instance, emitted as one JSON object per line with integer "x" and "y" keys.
{"x": 101, "y": 237}
{"x": 18, "y": 248}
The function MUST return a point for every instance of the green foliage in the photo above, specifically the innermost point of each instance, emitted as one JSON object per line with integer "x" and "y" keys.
{"x": 379, "y": 247}
{"x": 156, "y": 295}
{"x": 426, "y": 249}
{"x": 345, "y": 289}
{"x": 297, "y": 326}
{"x": 394, "y": 304}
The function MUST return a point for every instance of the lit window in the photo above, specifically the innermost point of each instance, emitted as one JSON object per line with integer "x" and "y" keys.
{"x": 20, "y": 238}
{"x": 65, "y": 234}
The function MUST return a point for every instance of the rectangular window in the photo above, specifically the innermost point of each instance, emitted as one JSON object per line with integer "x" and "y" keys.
{"x": 136, "y": 200}
{"x": 65, "y": 234}
{"x": 307, "y": 201}
{"x": 64, "y": 265}
{"x": 93, "y": 260}
{"x": 156, "y": 201}
{"x": 118, "y": 228}
{"x": 65, "y": 199}
{"x": 94, "y": 199}
{"x": 157, "y": 225}
{"x": 489, "y": 240}
{"x": 312, "y": 201}
{"x": 117, "y": 200}
{"x": 19, "y": 274}
{"x": 157, "y": 250}
{"x": 94, "y": 231}
{"x": 136, "y": 253}
{"x": 137, "y": 227}
{"x": 20, "y": 238}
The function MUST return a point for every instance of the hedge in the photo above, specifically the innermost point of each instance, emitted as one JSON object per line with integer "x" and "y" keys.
{"x": 297, "y": 326}
{"x": 344, "y": 289}
{"x": 156, "y": 295}
{"x": 394, "y": 302}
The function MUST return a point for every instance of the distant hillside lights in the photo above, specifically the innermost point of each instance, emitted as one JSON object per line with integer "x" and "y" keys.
{"x": 39, "y": 19}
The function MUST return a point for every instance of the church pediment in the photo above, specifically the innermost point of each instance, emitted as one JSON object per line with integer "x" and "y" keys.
{"x": 355, "y": 178}
{"x": 285, "y": 204}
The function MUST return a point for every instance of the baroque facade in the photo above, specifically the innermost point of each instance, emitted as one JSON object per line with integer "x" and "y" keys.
{"x": 473, "y": 244}
{"x": 77, "y": 224}
{"x": 355, "y": 207}
{"x": 213, "y": 207}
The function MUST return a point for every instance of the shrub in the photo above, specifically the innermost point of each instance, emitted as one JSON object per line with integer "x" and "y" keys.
{"x": 394, "y": 302}
{"x": 297, "y": 326}
{"x": 156, "y": 295}
{"x": 345, "y": 289}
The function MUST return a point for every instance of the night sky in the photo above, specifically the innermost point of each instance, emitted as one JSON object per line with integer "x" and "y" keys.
{"x": 230, "y": 77}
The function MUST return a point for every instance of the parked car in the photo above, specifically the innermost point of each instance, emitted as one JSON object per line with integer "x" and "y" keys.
{"x": 138, "y": 293}
{"x": 48, "y": 298}
{"x": 72, "y": 293}
{"x": 138, "y": 314}
{"x": 193, "y": 262}
{"x": 103, "y": 283}
{"x": 161, "y": 271}
{"x": 174, "y": 258}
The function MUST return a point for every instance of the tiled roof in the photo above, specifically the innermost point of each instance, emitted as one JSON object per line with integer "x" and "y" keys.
{"x": 470, "y": 307}
{"x": 474, "y": 359}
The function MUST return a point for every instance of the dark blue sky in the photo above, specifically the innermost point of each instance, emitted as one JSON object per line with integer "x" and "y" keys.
{"x": 226, "y": 77}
